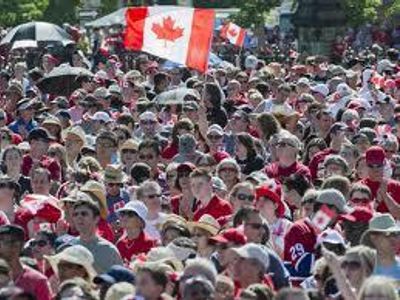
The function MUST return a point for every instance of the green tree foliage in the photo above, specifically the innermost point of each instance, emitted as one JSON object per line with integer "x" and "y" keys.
{"x": 108, "y": 6}
{"x": 14, "y": 12}
{"x": 214, "y": 3}
{"x": 62, "y": 11}
{"x": 253, "y": 12}
{"x": 361, "y": 11}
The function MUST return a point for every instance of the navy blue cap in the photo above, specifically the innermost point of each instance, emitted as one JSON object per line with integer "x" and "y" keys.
{"x": 14, "y": 230}
{"x": 64, "y": 114}
{"x": 116, "y": 274}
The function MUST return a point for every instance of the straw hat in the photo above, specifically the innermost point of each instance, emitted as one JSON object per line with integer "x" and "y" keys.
{"x": 97, "y": 191}
{"x": 114, "y": 174}
{"x": 78, "y": 255}
{"x": 130, "y": 144}
{"x": 380, "y": 223}
{"x": 173, "y": 219}
{"x": 207, "y": 223}
{"x": 76, "y": 131}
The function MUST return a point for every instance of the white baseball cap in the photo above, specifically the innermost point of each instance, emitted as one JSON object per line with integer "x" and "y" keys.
{"x": 321, "y": 89}
{"x": 101, "y": 116}
{"x": 330, "y": 236}
{"x": 137, "y": 207}
{"x": 254, "y": 251}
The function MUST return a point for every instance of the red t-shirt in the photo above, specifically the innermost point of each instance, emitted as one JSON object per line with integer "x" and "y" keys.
{"x": 317, "y": 159}
{"x": 128, "y": 248}
{"x": 45, "y": 162}
{"x": 279, "y": 173}
{"x": 216, "y": 208}
{"x": 175, "y": 201}
{"x": 170, "y": 151}
{"x": 393, "y": 189}
{"x": 34, "y": 282}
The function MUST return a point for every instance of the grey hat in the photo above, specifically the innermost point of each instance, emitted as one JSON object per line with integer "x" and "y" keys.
{"x": 380, "y": 223}
{"x": 101, "y": 93}
{"x": 335, "y": 198}
{"x": 218, "y": 184}
{"x": 187, "y": 143}
{"x": 254, "y": 251}
{"x": 114, "y": 89}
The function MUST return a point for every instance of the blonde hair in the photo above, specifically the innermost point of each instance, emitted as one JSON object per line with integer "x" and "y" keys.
{"x": 379, "y": 285}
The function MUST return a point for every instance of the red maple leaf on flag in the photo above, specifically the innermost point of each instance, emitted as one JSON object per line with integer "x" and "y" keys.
{"x": 167, "y": 31}
{"x": 232, "y": 32}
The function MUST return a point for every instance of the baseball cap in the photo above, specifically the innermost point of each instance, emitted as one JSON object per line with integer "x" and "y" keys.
{"x": 215, "y": 128}
{"x": 101, "y": 93}
{"x": 304, "y": 81}
{"x": 148, "y": 116}
{"x": 254, "y": 251}
{"x": 24, "y": 104}
{"x": 335, "y": 198}
{"x": 330, "y": 236}
{"x": 39, "y": 134}
{"x": 101, "y": 116}
{"x": 375, "y": 155}
{"x": 137, "y": 207}
{"x": 360, "y": 214}
{"x": 115, "y": 274}
{"x": 321, "y": 89}
{"x": 14, "y": 230}
{"x": 231, "y": 235}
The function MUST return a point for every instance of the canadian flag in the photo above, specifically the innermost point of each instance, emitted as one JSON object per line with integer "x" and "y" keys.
{"x": 323, "y": 217}
{"x": 233, "y": 33}
{"x": 179, "y": 34}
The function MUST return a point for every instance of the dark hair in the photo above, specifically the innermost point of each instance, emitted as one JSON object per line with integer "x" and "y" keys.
{"x": 248, "y": 142}
{"x": 159, "y": 77}
{"x": 50, "y": 236}
{"x": 297, "y": 182}
{"x": 242, "y": 215}
{"x": 140, "y": 172}
{"x": 92, "y": 205}
{"x": 181, "y": 124}
{"x": 315, "y": 142}
{"x": 126, "y": 119}
{"x": 263, "y": 88}
{"x": 5, "y": 153}
{"x": 214, "y": 93}
{"x": 108, "y": 135}
{"x": 157, "y": 273}
{"x": 269, "y": 125}
{"x": 124, "y": 129}
{"x": 150, "y": 143}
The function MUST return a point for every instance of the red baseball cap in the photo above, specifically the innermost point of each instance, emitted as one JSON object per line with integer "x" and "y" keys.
{"x": 360, "y": 214}
{"x": 375, "y": 155}
{"x": 265, "y": 191}
{"x": 231, "y": 235}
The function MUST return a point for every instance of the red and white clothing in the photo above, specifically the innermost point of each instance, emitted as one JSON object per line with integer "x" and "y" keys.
{"x": 216, "y": 208}
{"x": 132, "y": 247}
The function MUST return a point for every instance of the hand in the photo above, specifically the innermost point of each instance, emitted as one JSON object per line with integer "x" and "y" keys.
{"x": 382, "y": 192}
{"x": 331, "y": 258}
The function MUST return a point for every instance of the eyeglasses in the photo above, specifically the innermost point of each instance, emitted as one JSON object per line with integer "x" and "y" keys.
{"x": 153, "y": 196}
{"x": 352, "y": 265}
{"x": 360, "y": 200}
{"x": 126, "y": 151}
{"x": 373, "y": 166}
{"x": 214, "y": 137}
{"x": 52, "y": 154}
{"x": 254, "y": 225}
{"x": 284, "y": 144}
{"x": 39, "y": 243}
{"x": 226, "y": 169}
{"x": 148, "y": 122}
{"x": 80, "y": 214}
{"x": 244, "y": 197}
{"x": 128, "y": 213}
{"x": 146, "y": 157}
{"x": 114, "y": 184}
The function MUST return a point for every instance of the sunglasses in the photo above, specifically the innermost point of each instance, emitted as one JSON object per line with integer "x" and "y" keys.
{"x": 127, "y": 213}
{"x": 114, "y": 184}
{"x": 352, "y": 265}
{"x": 244, "y": 197}
{"x": 284, "y": 144}
{"x": 52, "y": 154}
{"x": 148, "y": 122}
{"x": 254, "y": 225}
{"x": 39, "y": 243}
{"x": 360, "y": 200}
{"x": 375, "y": 166}
{"x": 214, "y": 137}
{"x": 153, "y": 196}
{"x": 146, "y": 157}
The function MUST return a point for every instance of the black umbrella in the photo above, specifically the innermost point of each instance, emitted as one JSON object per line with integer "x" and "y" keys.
{"x": 37, "y": 31}
{"x": 62, "y": 80}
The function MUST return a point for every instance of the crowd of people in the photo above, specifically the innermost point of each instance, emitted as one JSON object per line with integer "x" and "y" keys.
{"x": 255, "y": 180}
